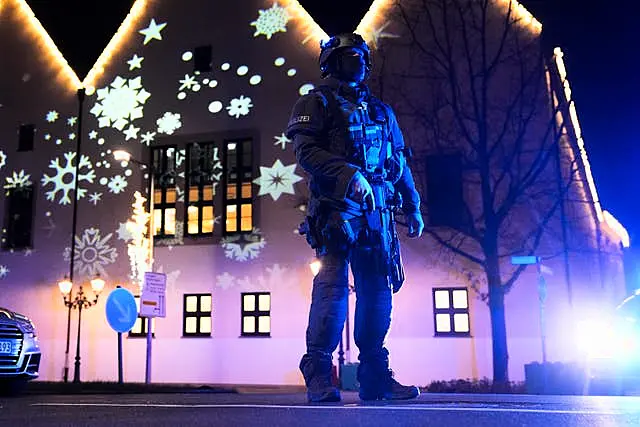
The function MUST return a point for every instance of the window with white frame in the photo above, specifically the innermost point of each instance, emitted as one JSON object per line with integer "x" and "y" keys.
{"x": 256, "y": 314}
{"x": 451, "y": 312}
{"x": 197, "y": 315}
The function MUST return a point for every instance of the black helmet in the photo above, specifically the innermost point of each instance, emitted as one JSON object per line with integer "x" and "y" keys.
{"x": 341, "y": 41}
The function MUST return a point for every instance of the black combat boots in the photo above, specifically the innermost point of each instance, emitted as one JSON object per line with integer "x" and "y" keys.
{"x": 379, "y": 384}
{"x": 317, "y": 376}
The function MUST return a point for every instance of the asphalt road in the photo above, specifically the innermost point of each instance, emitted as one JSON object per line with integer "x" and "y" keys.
{"x": 209, "y": 409}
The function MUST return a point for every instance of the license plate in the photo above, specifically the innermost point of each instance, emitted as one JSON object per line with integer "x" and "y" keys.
{"x": 5, "y": 347}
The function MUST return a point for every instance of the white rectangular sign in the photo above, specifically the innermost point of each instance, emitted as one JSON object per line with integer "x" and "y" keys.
{"x": 152, "y": 300}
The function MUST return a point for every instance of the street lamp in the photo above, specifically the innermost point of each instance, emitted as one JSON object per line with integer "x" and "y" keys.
{"x": 125, "y": 157}
{"x": 79, "y": 301}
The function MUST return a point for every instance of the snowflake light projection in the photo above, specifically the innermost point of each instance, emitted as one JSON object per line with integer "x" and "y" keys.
{"x": 274, "y": 277}
{"x": 123, "y": 231}
{"x": 282, "y": 140}
{"x": 225, "y": 281}
{"x": 92, "y": 253}
{"x": 277, "y": 179}
{"x": 95, "y": 198}
{"x": 3, "y": 159}
{"x": 117, "y": 184}
{"x": 18, "y": 180}
{"x": 147, "y": 137}
{"x": 4, "y": 271}
{"x": 169, "y": 123}
{"x": 243, "y": 247}
{"x": 52, "y": 116}
{"x": 239, "y": 106}
{"x": 271, "y": 21}
{"x": 120, "y": 103}
{"x": 139, "y": 247}
{"x": 64, "y": 178}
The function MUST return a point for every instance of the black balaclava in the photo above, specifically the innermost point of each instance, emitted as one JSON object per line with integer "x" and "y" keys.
{"x": 350, "y": 65}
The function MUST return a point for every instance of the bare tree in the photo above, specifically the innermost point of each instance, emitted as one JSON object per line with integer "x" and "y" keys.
{"x": 469, "y": 76}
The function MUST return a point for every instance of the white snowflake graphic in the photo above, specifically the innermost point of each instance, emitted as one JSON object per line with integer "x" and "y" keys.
{"x": 147, "y": 137}
{"x": 225, "y": 281}
{"x": 243, "y": 247}
{"x": 120, "y": 103}
{"x": 239, "y": 106}
{"x": 117, "y": 184}
{"x": 93, "y": 134}
{"x": 124, "y": 231}
{"x": 92, "y": 253}
{"x": 169, "y": 123}
{"x": 47, "y": 136}
{"x": 95, "y": 198}
{"x": 275, "y": 277}
{"x": 277, "y": 179}
{"x": 18, "y": 180}
{"x": 72, "y": 120}
{"x": 65, "y": 176}
{"x": 188, "y": 82}
{"x": 52, "y": 116}
{"x": 3, "y": 159}
{"x": 271, "y": 21}
{"x": 4, "y": 271}
{"x": 282, "y": 140}
{"x": 72, "y": 136}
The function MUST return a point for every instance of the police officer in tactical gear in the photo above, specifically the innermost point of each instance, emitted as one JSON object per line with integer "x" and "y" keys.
{"x": 350, "y": 144}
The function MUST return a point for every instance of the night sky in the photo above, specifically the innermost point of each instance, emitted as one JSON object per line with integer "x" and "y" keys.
{"x": 600, "y": 41}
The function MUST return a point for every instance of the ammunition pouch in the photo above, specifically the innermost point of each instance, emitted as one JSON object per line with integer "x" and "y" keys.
{"x": 328, "y": 235}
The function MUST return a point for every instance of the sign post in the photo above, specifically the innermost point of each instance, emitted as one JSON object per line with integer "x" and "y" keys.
{"x": 152, "y": 304}
{"x": 122, "y": 314}
{"x": 542, "y": 293}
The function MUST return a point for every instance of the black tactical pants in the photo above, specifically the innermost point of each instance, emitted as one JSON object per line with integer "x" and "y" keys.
{"x": 329, "y": 309}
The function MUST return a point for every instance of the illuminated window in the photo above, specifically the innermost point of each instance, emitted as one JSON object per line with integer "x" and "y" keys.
{"x": 201, "y": 170}
{"x": 256, "y": 314}
{"x": 238, "y": 191}
{"x": 18, "y": 222}
{"x": 451, "y": 311}
{"x": 139, "y": 329}
{"x": 164, "y": 194}
{"x": 197, "y": 315}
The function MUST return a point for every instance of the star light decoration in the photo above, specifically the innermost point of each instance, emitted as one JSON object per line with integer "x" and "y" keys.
{"x": 277, "y": 180}
{"x": 271, "y": 21}
{"x": 152, "y": 32}
{"x": 4, "y": 271}
{"x": 52, "y": 116}
{"x": 135, "y": 62}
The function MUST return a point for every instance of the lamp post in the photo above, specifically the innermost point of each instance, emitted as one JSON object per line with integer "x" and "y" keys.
{"x": 74, "y": 220}
{"x": 79, "y": 301}
{"x": 125, "y": 156}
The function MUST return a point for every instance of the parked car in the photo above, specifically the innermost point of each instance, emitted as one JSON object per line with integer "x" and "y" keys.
{"x": 19, "y": 351}
{"x": 612, "y": 344}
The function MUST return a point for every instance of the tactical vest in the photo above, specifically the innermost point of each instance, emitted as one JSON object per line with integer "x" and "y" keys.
{"x": 358, "y": 132}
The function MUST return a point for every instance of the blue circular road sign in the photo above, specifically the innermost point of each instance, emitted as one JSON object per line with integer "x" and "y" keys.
{"x": 122, "y": 310}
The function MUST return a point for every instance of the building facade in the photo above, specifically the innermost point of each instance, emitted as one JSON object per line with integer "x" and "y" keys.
{"x": 200, "y": 98}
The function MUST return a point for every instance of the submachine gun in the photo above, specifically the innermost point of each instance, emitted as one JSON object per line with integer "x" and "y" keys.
{"x": 382, "y": 225}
